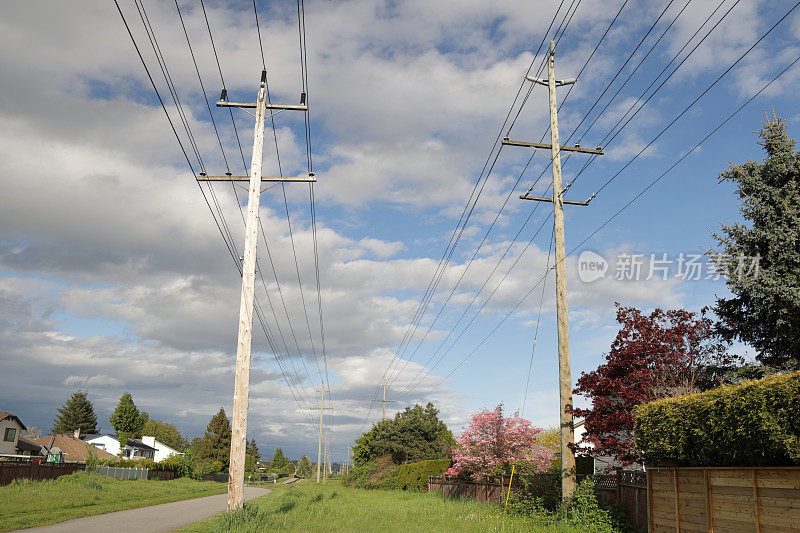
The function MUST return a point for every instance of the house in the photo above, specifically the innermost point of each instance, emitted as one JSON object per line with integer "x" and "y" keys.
{"x": 162, "y": 451}
{"x": 68, "y": 447}
{"x": 135, "y": 449}
{"x": 602, "y": 463}
{"x": 10, "y": 428}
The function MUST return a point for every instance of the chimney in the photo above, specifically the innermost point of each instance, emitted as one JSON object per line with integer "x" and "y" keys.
{"x": 77, "y": 433}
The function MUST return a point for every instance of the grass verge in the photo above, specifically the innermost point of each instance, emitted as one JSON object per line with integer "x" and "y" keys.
{"x": 306, "y": 506}
{"x": 27, "y": 503}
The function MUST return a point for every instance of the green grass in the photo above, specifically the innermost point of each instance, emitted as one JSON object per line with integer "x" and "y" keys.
{"x": 306, "y": 506}
{"x": 26, "y": 503}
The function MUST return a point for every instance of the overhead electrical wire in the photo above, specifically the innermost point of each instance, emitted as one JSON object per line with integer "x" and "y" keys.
{"x": 231, "y": 249}
{"x": 711, "y": 86}
{"x": 464, "y": 217}
{"x": 630, "y": 202}
{"x": 497, "y": 216}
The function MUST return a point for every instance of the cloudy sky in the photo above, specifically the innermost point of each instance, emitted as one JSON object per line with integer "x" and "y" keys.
{"x": 115, "y": 277}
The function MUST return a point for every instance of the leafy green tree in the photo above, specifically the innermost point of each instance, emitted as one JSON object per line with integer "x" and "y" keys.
{"x": 77, "y": 413}
{"x": 764, "y": 310}
{"x": 416, "y": 434}
{"x": 165, "y": 433}
{"x": 216, "y": 443}
{"x": 278, "y": 461}
{"x": 304, "y": 467}
{"x": 126, "y": 419}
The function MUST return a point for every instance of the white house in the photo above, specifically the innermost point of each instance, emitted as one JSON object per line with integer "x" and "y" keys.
{"x": 162, "y": 451}
{"x": 135, "y": 449}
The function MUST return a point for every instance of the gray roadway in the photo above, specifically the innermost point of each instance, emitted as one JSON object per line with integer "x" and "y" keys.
{"x": 162, "y": 517}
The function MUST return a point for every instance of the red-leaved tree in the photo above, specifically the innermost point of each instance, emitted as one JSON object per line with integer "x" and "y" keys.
{"x": 492, "y": 442}
{"x": 663, "y": 354}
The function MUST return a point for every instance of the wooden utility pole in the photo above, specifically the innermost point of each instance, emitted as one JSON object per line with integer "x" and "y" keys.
{"x": 568, "y": 475}
{"x": 327, "y": 462}
{"x": 244, "y": 344}
{"x": 319, "y": 442}
{"x": 384, "y": 401}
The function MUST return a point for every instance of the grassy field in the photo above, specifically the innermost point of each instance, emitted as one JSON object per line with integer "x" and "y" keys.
{"x": 306, "y": 506}
{"x": 26, "y": 503}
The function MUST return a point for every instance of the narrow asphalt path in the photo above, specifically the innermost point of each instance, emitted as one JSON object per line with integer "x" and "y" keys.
{"x": 157, "y": 518}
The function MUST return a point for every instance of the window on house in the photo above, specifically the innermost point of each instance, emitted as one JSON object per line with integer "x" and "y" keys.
{"x": 10, "y": 434}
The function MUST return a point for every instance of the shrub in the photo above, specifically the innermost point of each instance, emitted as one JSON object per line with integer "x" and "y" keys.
{"x": 414, "y": 476}
{"x": 750, "y": 424}
{"x": 378, "y": 474}
{"x": 582, "y": 512}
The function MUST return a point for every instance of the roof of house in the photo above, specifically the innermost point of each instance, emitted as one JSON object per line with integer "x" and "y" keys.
{"x": 74, "y": 449}
{"x": 134, "y": 443}
{"x": 4, "y": 415}
{"x": 25, "y": 445}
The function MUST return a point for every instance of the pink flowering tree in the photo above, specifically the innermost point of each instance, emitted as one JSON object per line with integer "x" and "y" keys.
{"x": 492, "y": 442}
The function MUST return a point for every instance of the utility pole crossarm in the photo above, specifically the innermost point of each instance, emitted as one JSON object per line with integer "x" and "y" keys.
{"x": 576, "y": 148}
{"x": 310, "y": 178}
{"x": 540, "y": 199}
{"x": 243, "y": 105}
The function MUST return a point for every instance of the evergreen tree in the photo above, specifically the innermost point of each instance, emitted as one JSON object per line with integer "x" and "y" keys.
{"x": 251, "y": 448}
{"x": 216, "y": 444}
{"x": 126, "y": 419}
{"x": 77, "y": 413}
{"x": 278, "y": 460}
{"x": 304, "y": 467}
{"x": 765, "y": 308}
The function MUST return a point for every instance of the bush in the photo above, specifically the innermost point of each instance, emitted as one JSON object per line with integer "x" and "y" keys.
{"x": 750, "y": 424}
{"x": 414, "y": 476}
{"x": 378, "y": 474}
{"x": 582, "y": 512}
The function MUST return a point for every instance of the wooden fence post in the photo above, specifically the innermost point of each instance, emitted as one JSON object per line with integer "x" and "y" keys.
{"x": 755, "y": 502}
{"x": 619, "y": 483}
{"x": 677, "y": 506}
{"x": 650, "y": 499}
{"x": 709, "y": 503}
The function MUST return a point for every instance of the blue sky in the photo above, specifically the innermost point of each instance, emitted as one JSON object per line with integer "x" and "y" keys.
{"x": 114, "y": 277}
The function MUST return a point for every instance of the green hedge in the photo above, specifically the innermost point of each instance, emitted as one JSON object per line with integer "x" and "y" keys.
{"x": 415, "y": 476}
{"x": 752, "y": 424}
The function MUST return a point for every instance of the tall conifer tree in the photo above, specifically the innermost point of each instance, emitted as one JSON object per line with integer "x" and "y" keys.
{"x": 77, "y": 413}
{"x": 764, "y": 310}
{"x": 216, "y": 444}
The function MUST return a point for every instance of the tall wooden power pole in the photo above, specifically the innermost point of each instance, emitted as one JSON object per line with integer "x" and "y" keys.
{"x": 244, "y": 344}
{"x": 384, "y": 401}
{"x": 319, "y": 442}
{"x": 568, "y": 476}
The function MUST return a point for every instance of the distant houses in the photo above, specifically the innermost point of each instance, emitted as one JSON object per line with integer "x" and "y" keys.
{"x": 68, "y": 448}
{"x": 145, "y": 448}
{"x": 134, "y": 449}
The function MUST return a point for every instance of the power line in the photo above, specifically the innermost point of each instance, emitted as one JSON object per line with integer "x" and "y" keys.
{"x": 466, "y": 212}
{"x": 229, "y": 246}
{"x": 628, "y": 204}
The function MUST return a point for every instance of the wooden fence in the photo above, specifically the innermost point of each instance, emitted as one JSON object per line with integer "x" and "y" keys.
{"x": 9, "y": 471}
{"x": 723, "y": 500}
{"x": 163, "y": 475}
{"x": 483, "y": 491}
{"x": 625, "y": 486}
{"x": 629, "y": 488}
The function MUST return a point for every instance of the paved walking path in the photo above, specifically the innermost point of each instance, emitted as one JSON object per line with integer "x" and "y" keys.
{"x": 155, "y": 518}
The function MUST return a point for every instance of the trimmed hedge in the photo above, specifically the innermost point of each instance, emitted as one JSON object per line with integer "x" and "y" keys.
{"x": 752, "y": 424}
{"x": 415, "y": 476}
